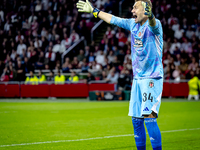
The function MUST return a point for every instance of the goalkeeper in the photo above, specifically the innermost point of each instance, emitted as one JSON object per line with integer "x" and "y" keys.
{"x": 146, "y": 53}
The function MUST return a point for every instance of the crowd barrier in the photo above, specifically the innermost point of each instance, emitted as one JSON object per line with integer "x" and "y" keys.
{"x": 11, "y": 90}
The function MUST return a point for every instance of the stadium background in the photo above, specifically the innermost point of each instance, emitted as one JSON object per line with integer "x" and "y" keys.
{"x": 48, "y": 37}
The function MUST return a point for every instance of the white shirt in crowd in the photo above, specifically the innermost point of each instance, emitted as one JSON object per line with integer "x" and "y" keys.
{"x": 2, "y": 15}
{"x": 53, "y": 56}
{"x": 100, "y": 3}
{"x": 173, "y": 47}
{"x": 187, "y": 47}
{"x": 7, "y": 26}
{"x": 113, "y": 79}
{"x": 178, "y": 33}
{"x": 17, "y": 38}
{"x": 31, "y": 18}
{"x": 74, "y": 37}
{"x": 38, "y": 44}
{"x": 20, "y": 48}
{"x": 189, "y": 34}
{"x": 100, "y": 59}
{"x": 66, "y": 42}
{"x": 175, "y": 27}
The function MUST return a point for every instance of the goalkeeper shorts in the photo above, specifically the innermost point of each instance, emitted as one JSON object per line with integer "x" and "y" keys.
{"x": 145, "y": 97}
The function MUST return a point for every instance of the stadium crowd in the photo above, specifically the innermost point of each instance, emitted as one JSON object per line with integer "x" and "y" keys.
{"x": 34, "y": 34}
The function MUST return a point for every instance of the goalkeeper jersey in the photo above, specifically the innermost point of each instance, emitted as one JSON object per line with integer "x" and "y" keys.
{"x": 146, "y": 47}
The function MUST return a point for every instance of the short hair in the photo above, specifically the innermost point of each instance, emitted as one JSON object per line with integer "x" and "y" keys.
{"x": 148, "y": 1}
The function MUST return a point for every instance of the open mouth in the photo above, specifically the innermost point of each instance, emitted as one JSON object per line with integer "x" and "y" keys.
{"x": 135, "y": 16}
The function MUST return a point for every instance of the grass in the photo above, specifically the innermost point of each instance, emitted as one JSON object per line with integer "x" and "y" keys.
{"x": 30, "y": 121}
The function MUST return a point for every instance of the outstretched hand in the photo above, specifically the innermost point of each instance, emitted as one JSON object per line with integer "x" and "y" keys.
{"x": 147, "y": 10}
{"x": 84, "y": 6}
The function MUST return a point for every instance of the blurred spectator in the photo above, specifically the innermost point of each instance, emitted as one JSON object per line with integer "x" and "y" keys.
{"x": 32, "y": 18}
{"x": 41, "y": 77}
{"x": 51, "y": 76}
{"x": 100, "y": 3}
{"x": 40, "y": 61}
{"x": 194, "y": 85}
{"x": 73, "y": 77}
{"x": 174, "y": 45}
{"x": 112, "y": 77}
{"x": 81, "y": 55}
{"x": 183, "y": 67}
{"x": 111, "y": 57}
{"x": 5, "y": 75}
{"x": 176, "y": 74}
{"x": 58, "y": 48}
{"x": 179, "y": 33}
{"x": 189, "y": 33}
{"x": 32, "y": 79}
{"x": 100, "y": 58}
{"x": 21, "y": 48}
{"x": 110, "y": 33}
{"x": 175, "y": 26}
{"x": 20, "y": 70}
{"x": 19, "y": 37}
{"x": 89, "y": 78}
{"x": 74, "y": 36}
{"x": 84, "y": 67}
{"x": 91, "y": 57}
{"x": 66, "y": 41}
{"x": 121, "y": 38}
{"x": 75, "y": 63}
{"x": 7, "y": 25}
{"x": 37, "y": 43}
{"x": 59, "y": 79}
{"x": 66, "y": 65}
{"x": 95, "y": 68}
{"x": 50, "y": 58}
{"x": 187, "y": 46}
{"x": 193, "y": 65}
{"x": 124, "y": 80}
{"x": 103, "y": 76}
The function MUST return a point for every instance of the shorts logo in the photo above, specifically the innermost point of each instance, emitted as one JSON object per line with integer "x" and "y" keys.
{"x": 151, "y": 84}
{"x": 146, "y": 109}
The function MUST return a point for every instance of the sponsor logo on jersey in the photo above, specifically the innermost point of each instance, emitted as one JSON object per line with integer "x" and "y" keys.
{"x": 146, "y": 109}
{"x": 151, "y": 84}
{"x": 139, "y": 34}
{"x": 138, "y": 43}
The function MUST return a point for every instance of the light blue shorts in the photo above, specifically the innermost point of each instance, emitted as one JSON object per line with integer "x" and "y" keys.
{"x": 145, "y": 97}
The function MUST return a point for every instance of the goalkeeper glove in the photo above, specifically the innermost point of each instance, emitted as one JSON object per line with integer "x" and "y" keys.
{"x": 87, "y": 7}
{"x": 148, "y": 10}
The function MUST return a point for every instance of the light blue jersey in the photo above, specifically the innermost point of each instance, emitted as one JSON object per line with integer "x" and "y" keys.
{"x": 146, "y": 47}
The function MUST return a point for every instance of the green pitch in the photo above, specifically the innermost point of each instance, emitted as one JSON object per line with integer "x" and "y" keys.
{"x": 82, "y": 125}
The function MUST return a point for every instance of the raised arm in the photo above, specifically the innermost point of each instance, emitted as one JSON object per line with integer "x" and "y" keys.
{"x": 87, "y": 7}
{"x": 148, "y": 12}
{"x": 105, "y": 16}
{"x": 111, "y": 19}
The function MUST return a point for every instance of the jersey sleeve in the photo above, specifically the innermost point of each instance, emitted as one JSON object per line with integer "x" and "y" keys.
{"x": 157, "y": 29}
{"x": 122, "y": 23}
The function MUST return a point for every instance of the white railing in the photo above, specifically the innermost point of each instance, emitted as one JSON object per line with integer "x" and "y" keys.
{"x": 10, "y": 82}
{"x": 91, "y": 82}
{"x": 72, "y": 47}
{"x": 95, "y": 27}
